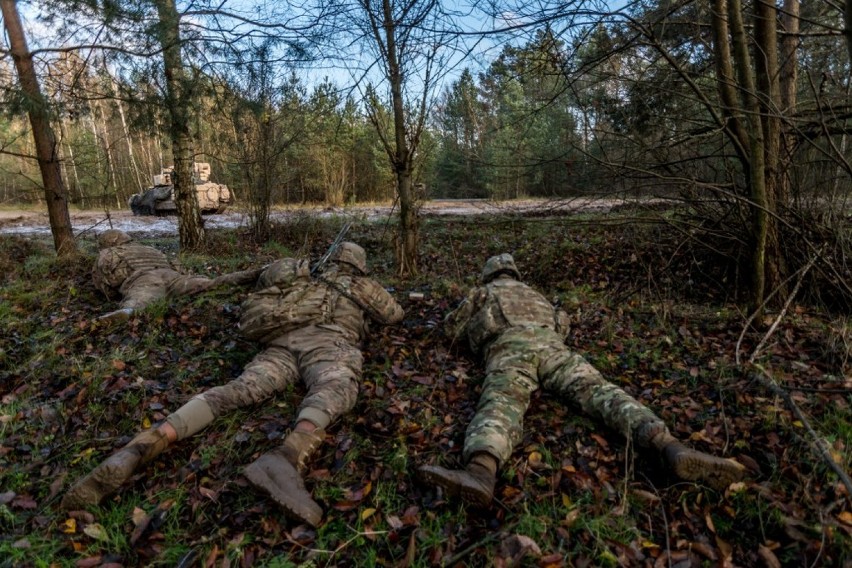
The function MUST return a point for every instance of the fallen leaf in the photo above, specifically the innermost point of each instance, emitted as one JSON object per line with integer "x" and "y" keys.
{"x": 768, "y": 557}
{"x": 367, "y": 513}
{"x": 554, "y": 560}
{"x": 96, "y": 531}
{"x": 84, "y": 516}
{"x": 24, "y": 502}
{"x": 645, "y": 496}
{"x": 209, "y": 493}
{"x": 514, "y": 548}
{"x": 600, "y": 440}
{"x": 394, "y": 522}
{"x": 69, "y": 526}
{"x": 82, "y": 455}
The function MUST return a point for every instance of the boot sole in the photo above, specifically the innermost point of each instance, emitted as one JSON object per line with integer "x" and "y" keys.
{"x": 718, "y": 473}
{"x": 468, "y": 493}
{"x": 276, "y": 477}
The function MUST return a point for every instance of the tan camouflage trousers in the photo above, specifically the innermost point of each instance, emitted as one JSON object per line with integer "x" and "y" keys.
{"x": 154, "y": 285}
{"x": 324, "y": 356}
{"x": 522, "y": 359}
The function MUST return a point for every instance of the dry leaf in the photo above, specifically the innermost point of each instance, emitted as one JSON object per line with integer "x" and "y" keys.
{"x": 96, "y": 531}
{"x": 768, "y": 557}
{"x": 138, "y": 516}
{"x": 69, "y": 526}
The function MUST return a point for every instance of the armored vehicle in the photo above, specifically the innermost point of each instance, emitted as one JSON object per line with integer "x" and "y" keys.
{"x": 160, "y": 199}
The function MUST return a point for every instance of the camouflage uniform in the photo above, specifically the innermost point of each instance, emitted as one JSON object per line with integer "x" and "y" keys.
{"x": 311, "y": 327}
{"x": 141, "y": 275}
{"x": 521, "y": 337}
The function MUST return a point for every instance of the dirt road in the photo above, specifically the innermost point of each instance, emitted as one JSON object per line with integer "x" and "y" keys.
{"x": 87, "y": 222}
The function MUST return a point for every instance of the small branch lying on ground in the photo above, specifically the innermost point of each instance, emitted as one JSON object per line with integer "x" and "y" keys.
{"x": 766, "y": 380}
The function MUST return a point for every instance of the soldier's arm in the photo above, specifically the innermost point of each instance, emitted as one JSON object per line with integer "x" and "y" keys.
{"x": 379, "y": 305}
{"x": 563, "y": 323}
{"x": 280, "y": 273}
{"x": 105, "y": 276}
{"x": 455, "y": 324}
{"x": 241, "y": 278}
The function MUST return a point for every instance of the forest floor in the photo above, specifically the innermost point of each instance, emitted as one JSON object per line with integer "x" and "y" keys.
{"x": 644, "y": 310}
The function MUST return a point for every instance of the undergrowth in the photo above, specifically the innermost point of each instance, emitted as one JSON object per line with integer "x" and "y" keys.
{"x": 73, "y": 390}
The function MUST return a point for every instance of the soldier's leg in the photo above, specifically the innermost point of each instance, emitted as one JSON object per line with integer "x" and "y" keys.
{"x": 141, "y": 292}
{"x": 570, "y": 376}
{"x": 269, "y": 372}
{"x": 187, "y": 285}
{"x": 331, "y": 368}
{"x": 497, "y": 426}
{"x": 116, "y": 469}
{"x": 279, "y": 472}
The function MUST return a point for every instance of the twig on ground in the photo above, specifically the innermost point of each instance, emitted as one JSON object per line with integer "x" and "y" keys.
{"x": 464, "y": 552}
{"x": 766, "y": 380}
{"x": 783, "y": 312}
{"x": 801, "y": 275}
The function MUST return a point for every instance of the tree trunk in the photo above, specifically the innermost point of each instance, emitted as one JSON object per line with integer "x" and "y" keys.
{"x": 789, "y": 79}
{"x": 127, "y": 136}
{"x": 756, "y": 148}
{"x": 63, "y": 138}
{"x": 726, "y": 84}
{"x": 847, "y": 19}
{"x": 767, "y": 71}
{"x": 113, "y": 178}
{"x": 408, "y": 238}
{"x": 190, "y": 224}
{"x": 55, "y": 193}
{"x": 407, "y": 249}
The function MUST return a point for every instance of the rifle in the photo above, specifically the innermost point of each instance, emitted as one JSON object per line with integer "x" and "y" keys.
{"x": 339, "y": 239}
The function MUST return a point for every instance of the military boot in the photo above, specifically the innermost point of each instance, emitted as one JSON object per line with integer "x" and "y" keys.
{"x": 693, "y": 465}
{"x": 299, "y": 446}
{"x": 115, "y": 470}
{"x": 117, "y": 316}
{"x": 475, "y": 483}
{"x": 278, "y": 473}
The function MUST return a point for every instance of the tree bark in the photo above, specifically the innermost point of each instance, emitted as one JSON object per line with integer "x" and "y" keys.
{"x": 847, "y": 19}
{"x": 47, "y": 151}
{"x": 725, "y": 82}
{"x": 757, "y": 170}
{"x": 407, "y": 236}
{"x": 768, "y": 85}
{"x": 190, "y": 224}
{"x": 127, "y": 136}
{"x": 789, "y": 99}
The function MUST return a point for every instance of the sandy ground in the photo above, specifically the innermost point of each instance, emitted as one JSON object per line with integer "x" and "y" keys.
{"x": 34, "y": 222}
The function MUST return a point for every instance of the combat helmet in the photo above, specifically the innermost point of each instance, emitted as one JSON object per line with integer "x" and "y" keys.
{"x": 113, "y": 238}
{"x": 497, "y": 265}
{"x": 351, "y": 254}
